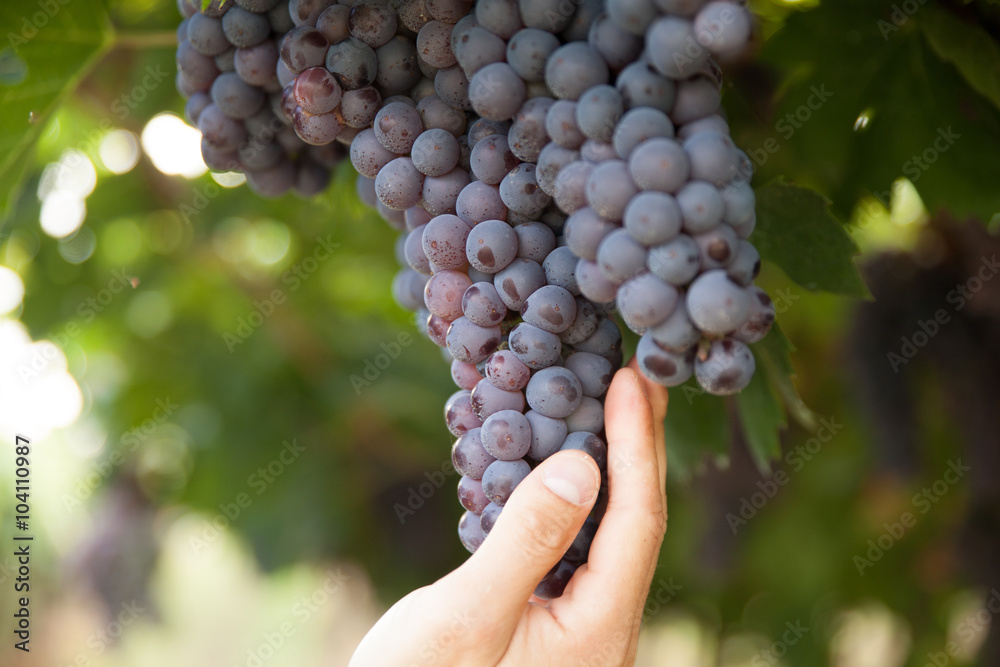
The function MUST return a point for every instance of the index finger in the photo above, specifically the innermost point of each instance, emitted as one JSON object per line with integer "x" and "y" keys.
{"x": 625, "y": 550}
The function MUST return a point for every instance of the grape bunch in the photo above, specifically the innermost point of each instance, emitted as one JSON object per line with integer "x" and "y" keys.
{"x": 549, "y": 165}
{"x": 228, "y": 69}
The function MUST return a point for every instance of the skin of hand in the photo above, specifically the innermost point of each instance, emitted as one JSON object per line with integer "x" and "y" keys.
{"x": 484, "y": 613}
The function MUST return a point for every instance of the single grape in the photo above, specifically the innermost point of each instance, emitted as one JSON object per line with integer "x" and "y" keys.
{"x": 502, "y": 477}
{"x": 677, "y": 333}
{"x": 598, "y": 111}
{"x": 620, "y": 256}
{"x": 588, "y": 417}
{"x": 554, "y": 582}
{"x": 642, "y": 86}
{"x": 434, "y": 44}
{"x": 244, "y": 29}
{"x": 701, "y": 207}
{"x": 517, "y": 281}
{"x": 547, "y": 435}
{"x": 316, "y": 90}
{"x": 448, "y": 11}
{"x": 235, "y": 97}
{"x": 464, "y": 375}
{"x": 673, "y": 49}
{"x": 489, "y": 517}
{"x": 653, "y": 218}
{"x": 408, "y": 289}
{"x": 471, "y": 496}
{"x": 560, "y": 124}
{"x": 505, "y": 371}
{"x": 470, "y": 342}
{"x": 717, "y": 305}
{"x": 584, "y": 324}
{"x": 726, "y": 369}
{"x": 482, "y": 305}
{"x": 435, "y": 152}
{"x": 571, "y": 186}
{"x": 676, "y": 262}
{"x": 360, "y": 106}
{"x": 353, "y": 63}
{"x": 206, "y": 35}
{"x": 397, "y": 126}
{"x": 535, "y": 240}
{"x": 723, "y": 27}
{"x": 760, "y": 320}
{"x": 632, "y": 15}
{"x": 605, "y": 341}
{"x": 554, "y": 392}
{"x": 560, "y": 269}
{"x": 717, "y": 247}
{"x": 661, "y": 365}
{"x": 452, "y": 86}
{"x": 373, "y": 22}
{"x": 617, "y": 46}
{"x": 470, "y": 532}
{"x": 443, "y": 294}
{"x": 551, "y": 308}
{"x": 551, "y": 161}
{"x": 501, "y": 17}
{"x": 316, "y": 129}
{"x": 645, "y": 301}
{"x": 304, "y": 47}
{"x": 257, "y": 64}
{"x": 480, "y": 201}
{"x": 527, "y": 51}
{"x": 492, "y": 158}
{"x": 594, "y": 372}
{"x": 440, "y": 193}
{"x": 398, "y": 66}
{"x": 535, "y": 347}
{"x": 659, "y": 164}
{"x": 476, "y": 48}
{"x": 573, "y": 68}
{"x": 506, "y": 435}
{"x": 496, "y": 92}
{"x": 459, "y": 414}
{"x": 609, "y": 189}
{"x": 488, "y": 399}
{"x": 527, "y": 136}
{"x": 745, "y": 264}
{"x": 713, "y": 157}
{"x": 399, "y": 185}
{"x": 593, "y": 283}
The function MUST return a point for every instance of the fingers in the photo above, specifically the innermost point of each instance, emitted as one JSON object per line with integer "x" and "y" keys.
{"x": 537, "y": 525}
{"x": 625, "y": 549}
{"x": 656, "y": 394}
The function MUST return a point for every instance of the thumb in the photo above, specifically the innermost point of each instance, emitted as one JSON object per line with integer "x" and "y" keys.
{"x": 532, "y": 533}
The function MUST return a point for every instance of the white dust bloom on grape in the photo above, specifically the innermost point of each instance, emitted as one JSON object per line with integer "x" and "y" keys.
{"x": 760, "y": 320}
{"x": 664, "y": 366}
{"x": 573, "y": 68}
{"x": 726, "y": 368}
{"x": 673, "y": 48}
{"x": 723, "y": 27}
{"x": 717, "y": 304}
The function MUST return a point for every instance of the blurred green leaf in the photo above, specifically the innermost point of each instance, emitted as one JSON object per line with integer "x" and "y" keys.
{"x": 774, "y": 354}
{"x": 797, "y": 231}
{"x": 970, "y": 48}
{"x": 762, "y": 419}
{"x": 55, "y": 48}
{"x": 696, "y": 424}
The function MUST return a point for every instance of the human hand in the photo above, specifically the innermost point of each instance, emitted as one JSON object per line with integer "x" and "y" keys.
{"x": 485, "y": 613}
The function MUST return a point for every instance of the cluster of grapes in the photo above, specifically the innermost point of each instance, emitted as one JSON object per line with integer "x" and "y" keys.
{"x": 227, "y": 68}
{"x": 549, "y": 163}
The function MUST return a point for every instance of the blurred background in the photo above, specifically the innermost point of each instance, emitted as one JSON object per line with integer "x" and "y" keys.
{"x": 225, "y": 471}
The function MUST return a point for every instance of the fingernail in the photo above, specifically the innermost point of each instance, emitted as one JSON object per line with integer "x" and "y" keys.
{"x": 571, "y": 479}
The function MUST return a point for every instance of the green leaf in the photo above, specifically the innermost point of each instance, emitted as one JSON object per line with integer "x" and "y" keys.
{"x": 762, "y": 418}
{"x": 696, "y": 424}
{"x": 797, "y": 231}
{"x": 970, "y": 48}
{"x": 44, "y": 62}
{"x": 774, "y": 358}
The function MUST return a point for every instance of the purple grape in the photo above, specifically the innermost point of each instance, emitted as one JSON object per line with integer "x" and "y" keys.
{"x": 468, "y": 455}
{"x": 588, "y": 417}
{"x": 550, "y": 308}
{"x": 506, "y": 435}
{"x": 502, "y": 477}
{"x": 459, "y": 414}
{"x": 591, "y": 444}
{"x": 353, "y": 63}
{"x": 440, "y": 193}
{"x": 471, "y": 496}
{"x": 443, "y": 294}
{"x": 399, "y": 185}
{"x": 517, "y": 281}
{"x": 554, "y": 392}
{"x": 535, "y": 347}
{"x": 505, "y": 371}
{"x": 480, "y": 201}
{"x": 726, "y": 369}
{"x": 470, "y": 532}
{"x": 471, "y": 343}
{"x": 488, "y": 399}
